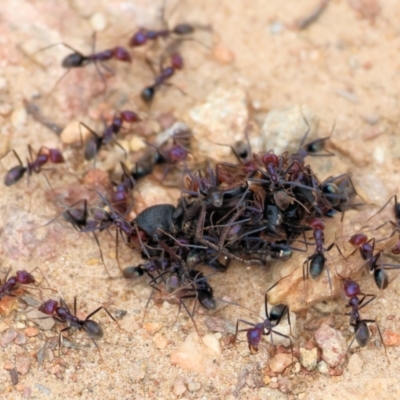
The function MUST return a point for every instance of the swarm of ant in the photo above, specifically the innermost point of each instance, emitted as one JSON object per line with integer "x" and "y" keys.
{"x": 252, "y": 212}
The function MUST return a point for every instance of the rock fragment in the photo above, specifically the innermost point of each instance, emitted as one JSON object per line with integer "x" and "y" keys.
{"x": 280, "y": 362}
{"x": 332, "y": 344}
{"x": 308, "y": 358}
{"x": 355, "y": 364}
{"x": 196, "y": 355}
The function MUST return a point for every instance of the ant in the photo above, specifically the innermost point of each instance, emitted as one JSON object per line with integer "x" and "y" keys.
{"x": 10, "y": 285}
{"x": 44, "y": 156}
{"x": 366, "y": 248}
{"x": 314, "y": 264}
{"x": 166, "y": 73}
{"x": 120, "y": 195}
{"x": 396, "y": 208}
{"x": 361, "y": 331}
{"x": 143, "y": 35}
{"x": 94, "y": 144}
{"x": 79, "y": 60}
{"x": 60, "y": 312}
{"x": 272, "y": 320}
{"x": 174, "y": 153}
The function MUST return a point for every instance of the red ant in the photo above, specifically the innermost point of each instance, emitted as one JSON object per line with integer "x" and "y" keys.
{"x": 94, "y": 144}
{"x": 361, "y": 331}
{"x": 149, "y": 92}
{"x": 143, "y": 35}
{"x": 10, "y": 285}
{"x": 366, "y": 248}
{"x": 79, "y": 60}
{"x": 272, "y": 320}
{"x": 32, "y": 164}
{"x": 61, "y": 313}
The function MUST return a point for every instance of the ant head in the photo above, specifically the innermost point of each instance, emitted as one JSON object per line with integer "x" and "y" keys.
{"x": 14, "y": 175}
{"x": 358, "y": 239}
{"x": 93, "y": 329}
{"x": 24, "y": 277}
{"x": 48, "y": 307}
{"x": 73, "y": 60}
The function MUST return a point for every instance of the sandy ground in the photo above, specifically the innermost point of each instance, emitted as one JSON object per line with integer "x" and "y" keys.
{"x": 344, "y": 67}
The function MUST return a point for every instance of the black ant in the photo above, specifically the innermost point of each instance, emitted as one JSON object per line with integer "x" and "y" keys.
{"x": 44, "y": 156}
{"x": 143, "y": 35}
{"x": 79, "y": 60}
{"x": 271, "y": 321}
{"x": 366, "y": 248}
{"x": 60, "y": 312}
{"x": 361, "y": 331}
{"x": 315, "y": 264}
{"x": 166, "y": 73}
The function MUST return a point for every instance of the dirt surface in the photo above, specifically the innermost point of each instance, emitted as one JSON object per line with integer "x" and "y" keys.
{"x": 344, "y": 67}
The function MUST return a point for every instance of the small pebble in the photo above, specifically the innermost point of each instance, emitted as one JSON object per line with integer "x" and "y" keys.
{"x": 223, "y": 55}
{"x": 18, "y": 118}
{"x": 197, "y": 355}
{"x": 296, "y": 368}
{"x": 8, "y": 336}
{"x": 194, "y": 386}
{"x": 391, "y": 338}
{"x": 14, "y": 376}
{"x": 98, "y": 21}
{"x": 3, "y": 326}
{"x": 136, "y": 144}
{"x": 179, "y": 387}
{"x": 40, "y": 320}
{"x": 71, "y": 133}
{"x": 267, "y": 379}
{"x": 323, "y": 367}
{"x": 160, "y": 341}
{"x": 308, "y": 358}
{"x": 280, "y": 362}
{"x": 22, "y": 364}
{"x": 332, "y": 344}
{"x": 152, "y": 327}
{"x": 355, "y": 364}
{"x": 21, "y": 339}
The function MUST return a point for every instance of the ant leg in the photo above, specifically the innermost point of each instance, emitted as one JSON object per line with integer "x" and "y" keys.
{"x": 382, "y": 208}
{"x": 380, "y": 335}
{"x": 101, "y": 254}
{"x": 240, "y": 330}
{"x": 285, "y": 336}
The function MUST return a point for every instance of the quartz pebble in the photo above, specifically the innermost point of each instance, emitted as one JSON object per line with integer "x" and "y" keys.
{"x": 282, "y": 125}
{"x": 323, "y": 367}
{"x": 280, "y": 362}
{"x": 221, "y": 120}
{"x": 179, "y": 387}
{"x": 72, "y": 133}
{"x": 197, "y": 355}
{"x": 332, "y": 344}
{"x": 308, "y": 358}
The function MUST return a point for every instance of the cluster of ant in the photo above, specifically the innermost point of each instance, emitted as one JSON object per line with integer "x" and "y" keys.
{"x": 251, "y": 211}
